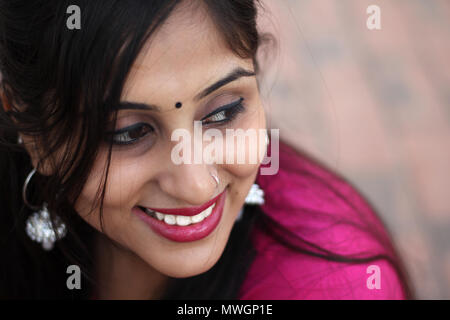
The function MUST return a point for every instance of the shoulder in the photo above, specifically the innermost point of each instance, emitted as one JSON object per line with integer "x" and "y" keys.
{"x": 324, "y": 213}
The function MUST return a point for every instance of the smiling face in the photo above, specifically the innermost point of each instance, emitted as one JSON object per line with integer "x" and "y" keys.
{"x": 182, "y": 59}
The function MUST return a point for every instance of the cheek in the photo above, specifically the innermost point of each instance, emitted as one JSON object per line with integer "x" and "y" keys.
{"x": 241, "y": 171}
{"x": 249, "y": 145}
{"x": 120, "y": 192}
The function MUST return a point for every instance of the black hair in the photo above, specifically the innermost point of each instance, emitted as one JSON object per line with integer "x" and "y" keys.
{"x": 61, "y": 84}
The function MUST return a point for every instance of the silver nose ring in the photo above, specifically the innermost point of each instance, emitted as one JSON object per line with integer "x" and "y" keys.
{"x": 215, "y": 177}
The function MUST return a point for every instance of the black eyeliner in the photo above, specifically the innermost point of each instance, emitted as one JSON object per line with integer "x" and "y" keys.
{"x": 129, "y": 128}
{"x": 222, "y": 108}
{"x": 110, "y": 134}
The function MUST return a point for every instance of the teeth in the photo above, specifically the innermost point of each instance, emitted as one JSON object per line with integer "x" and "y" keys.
{"x": 198, "y": 217}
{"x": 169, "y": 219}
{"x": 160, "y": 216}
{"x": 181, "y": 220}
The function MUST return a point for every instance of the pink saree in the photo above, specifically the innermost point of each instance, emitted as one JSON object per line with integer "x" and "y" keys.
{"x": 323, "y": 209}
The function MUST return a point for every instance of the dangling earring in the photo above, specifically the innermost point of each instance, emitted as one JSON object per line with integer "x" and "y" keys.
{"x": 255, "y": 196}
{"x": 39, "y": 225}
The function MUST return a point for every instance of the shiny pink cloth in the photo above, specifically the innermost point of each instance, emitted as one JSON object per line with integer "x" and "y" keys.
{"x": 300, "y": 198}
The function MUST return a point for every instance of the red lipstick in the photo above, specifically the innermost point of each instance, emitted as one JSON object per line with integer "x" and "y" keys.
{"x": 191, "y": 232}
{"x": 190, "y": 211}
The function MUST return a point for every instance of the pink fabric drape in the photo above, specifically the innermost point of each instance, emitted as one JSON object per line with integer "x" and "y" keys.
{"x": 316, "y": 204}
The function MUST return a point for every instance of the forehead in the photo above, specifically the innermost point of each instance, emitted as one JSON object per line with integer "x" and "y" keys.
{"x": 180, "y": 59}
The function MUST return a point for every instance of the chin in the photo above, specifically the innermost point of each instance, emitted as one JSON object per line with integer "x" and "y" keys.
{"x": 187, "y": 265}
{"x": 191, "y": 270}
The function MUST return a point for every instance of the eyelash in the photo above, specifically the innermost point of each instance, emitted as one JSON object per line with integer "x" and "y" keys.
{"x": 126, "y": 132}
{"x": 234, "y": 108}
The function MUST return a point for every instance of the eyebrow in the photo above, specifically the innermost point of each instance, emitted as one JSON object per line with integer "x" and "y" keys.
{"x": 235, "y": 74}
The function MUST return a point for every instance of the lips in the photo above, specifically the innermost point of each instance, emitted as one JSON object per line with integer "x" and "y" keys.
{"x": 184, "y": 224}
{"x": 191, "y": 211}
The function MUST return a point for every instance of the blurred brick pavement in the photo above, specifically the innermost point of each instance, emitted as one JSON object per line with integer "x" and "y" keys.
{"x": 375, "y": 106}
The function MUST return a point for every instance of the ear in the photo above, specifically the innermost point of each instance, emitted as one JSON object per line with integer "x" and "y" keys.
{"x": 28, "y": 142}
{"x": 5, "y": 103}
{"x": 31, "y": 144}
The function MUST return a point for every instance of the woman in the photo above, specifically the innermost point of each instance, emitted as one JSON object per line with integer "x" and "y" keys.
{"x": 87, "y": 121}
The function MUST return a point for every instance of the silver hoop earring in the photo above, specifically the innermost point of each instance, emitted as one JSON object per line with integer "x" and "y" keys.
{"x": 39, "y": 225}
{"x": 255, "y": 196}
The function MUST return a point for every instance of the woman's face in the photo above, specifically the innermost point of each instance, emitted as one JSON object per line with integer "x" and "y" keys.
{"x": 185, "y": 56}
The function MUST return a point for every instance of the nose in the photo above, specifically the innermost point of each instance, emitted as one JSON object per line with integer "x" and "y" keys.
{"x": 190, "y": 184}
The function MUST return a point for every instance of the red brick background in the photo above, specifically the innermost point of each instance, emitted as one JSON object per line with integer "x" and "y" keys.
{"x": 375, "y": 106}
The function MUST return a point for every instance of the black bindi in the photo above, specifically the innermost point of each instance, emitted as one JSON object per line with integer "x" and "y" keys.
{"x": 178, "y": 105}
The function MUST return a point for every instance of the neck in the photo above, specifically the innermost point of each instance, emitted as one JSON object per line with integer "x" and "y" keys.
{"x": 123, "y": 275}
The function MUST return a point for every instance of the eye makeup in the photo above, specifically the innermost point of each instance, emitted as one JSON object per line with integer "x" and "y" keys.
{"x": 132, "y": 134}
{"x": 224, "y": 114}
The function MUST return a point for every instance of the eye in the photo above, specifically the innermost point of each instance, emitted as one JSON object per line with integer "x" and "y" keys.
{"x": 225, "y": 113}
{"x": 130, "y": 134}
